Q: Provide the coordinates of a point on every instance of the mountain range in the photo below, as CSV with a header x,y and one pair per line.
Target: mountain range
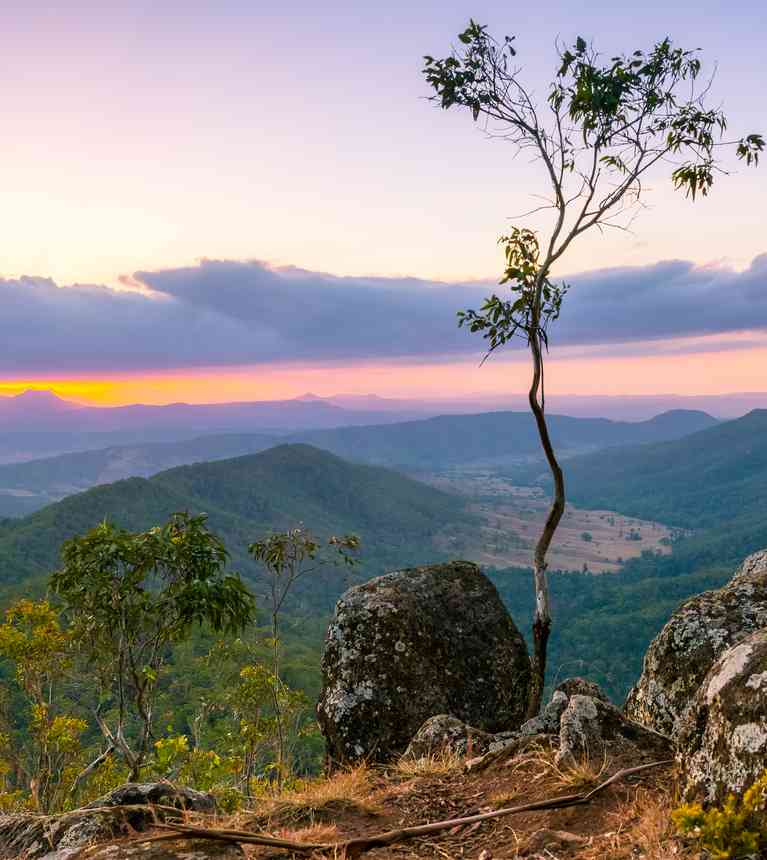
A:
x,y
413,446
38,423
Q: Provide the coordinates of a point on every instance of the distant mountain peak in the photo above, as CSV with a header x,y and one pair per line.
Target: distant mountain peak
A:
x,y
38,395
35,401
309,396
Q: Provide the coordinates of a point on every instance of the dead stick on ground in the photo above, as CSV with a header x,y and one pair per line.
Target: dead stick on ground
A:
x,y
354,848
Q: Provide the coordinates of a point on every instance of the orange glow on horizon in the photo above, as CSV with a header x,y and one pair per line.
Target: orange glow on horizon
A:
x,y
704,371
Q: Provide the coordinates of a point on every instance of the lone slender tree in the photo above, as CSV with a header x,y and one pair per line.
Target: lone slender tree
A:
x,y
605,127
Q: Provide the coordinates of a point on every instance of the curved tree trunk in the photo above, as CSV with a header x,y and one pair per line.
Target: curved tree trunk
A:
x,y
542,618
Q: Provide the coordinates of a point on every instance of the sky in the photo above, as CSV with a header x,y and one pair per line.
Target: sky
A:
x,y
243,200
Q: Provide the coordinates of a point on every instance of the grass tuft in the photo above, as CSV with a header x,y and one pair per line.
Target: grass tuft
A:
x,y
436,764
322,801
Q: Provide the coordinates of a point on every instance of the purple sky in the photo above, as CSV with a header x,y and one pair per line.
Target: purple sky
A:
x,y
141,137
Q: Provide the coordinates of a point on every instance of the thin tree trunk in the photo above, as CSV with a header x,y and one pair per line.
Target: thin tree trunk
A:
x,y
542,618
276,685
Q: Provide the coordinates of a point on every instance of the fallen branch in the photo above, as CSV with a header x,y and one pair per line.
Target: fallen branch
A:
x,y
354,848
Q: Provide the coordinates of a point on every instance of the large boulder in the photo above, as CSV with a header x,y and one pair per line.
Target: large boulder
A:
x,y
697,634
722,740
413,644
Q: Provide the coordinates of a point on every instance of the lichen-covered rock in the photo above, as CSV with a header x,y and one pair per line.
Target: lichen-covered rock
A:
x,y
582,687
547,722
181,849
546,726
156,794
126,810
446,734
413,644
722,740
697,634
590,727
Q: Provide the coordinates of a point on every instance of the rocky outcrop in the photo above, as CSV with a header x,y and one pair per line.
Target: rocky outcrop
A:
x,y
181,849
697,634
722,740
446,734
591,728
125,811
579,722
414,644
156,794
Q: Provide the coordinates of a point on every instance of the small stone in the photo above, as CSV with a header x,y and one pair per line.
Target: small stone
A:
x,y
444,733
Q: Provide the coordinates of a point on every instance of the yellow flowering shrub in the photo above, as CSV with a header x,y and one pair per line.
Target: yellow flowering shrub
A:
x,y
736,829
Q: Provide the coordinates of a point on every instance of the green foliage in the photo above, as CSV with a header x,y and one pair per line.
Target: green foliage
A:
x,y
736,829
632,112
536,300
626,609
45,760
132,595
203,770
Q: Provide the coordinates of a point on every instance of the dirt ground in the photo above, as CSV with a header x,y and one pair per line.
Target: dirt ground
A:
x,y
629,820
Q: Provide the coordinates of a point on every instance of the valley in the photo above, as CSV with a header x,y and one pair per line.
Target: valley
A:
x,y
596,541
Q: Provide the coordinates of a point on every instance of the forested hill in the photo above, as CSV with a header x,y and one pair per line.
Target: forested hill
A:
x,y
694,482
713,482
28,486
395,516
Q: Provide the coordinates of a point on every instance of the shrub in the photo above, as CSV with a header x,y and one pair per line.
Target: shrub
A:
x,y
737,829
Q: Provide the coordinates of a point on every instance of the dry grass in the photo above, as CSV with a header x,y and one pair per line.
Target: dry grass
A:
x,y
648,820
322,801
576,775
640,828
314,834
438,764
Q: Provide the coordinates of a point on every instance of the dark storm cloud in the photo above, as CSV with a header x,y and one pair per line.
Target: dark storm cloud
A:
x,y
227,313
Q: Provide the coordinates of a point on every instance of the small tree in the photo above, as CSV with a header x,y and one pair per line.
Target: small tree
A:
x,y
603,129
130,597
33,639
288,557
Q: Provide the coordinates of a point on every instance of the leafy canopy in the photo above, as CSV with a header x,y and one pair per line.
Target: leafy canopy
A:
x,y
151,586
603,127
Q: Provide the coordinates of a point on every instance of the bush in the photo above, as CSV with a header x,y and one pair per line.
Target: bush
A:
x,y
737,829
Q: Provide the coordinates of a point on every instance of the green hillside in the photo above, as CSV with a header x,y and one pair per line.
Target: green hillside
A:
x,y
395,516
29,486
696,482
